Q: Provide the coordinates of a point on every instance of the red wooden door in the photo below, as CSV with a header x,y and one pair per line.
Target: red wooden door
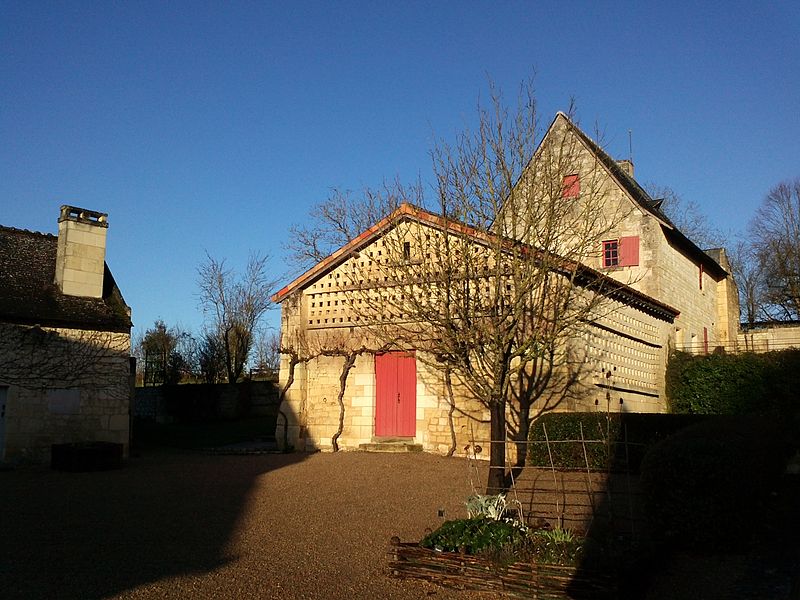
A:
x,y
395,394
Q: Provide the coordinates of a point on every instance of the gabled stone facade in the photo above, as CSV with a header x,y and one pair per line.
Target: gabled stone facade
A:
x,y
668,294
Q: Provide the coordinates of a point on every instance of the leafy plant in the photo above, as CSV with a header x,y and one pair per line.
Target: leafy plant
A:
x,y
556,546
489,506
477,535
556,536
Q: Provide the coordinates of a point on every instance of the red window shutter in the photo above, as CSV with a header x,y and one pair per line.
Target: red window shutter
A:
x,y
629,251
571,186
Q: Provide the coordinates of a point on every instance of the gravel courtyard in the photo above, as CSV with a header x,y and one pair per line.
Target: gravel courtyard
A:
x,y
183,525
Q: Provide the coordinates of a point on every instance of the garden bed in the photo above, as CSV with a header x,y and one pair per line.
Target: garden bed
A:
x,y
481,573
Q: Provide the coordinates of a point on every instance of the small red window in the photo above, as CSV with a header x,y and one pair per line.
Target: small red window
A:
x,y
611,253
571,186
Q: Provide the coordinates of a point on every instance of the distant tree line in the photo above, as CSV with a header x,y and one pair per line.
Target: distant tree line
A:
x,y
233,342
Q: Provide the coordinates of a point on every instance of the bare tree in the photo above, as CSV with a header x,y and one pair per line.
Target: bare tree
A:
x,y
341,217
687,216
211,358
492,290
776,239
234,307
750,282
267,352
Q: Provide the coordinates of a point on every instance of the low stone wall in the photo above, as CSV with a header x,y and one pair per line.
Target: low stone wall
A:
x,y
192,402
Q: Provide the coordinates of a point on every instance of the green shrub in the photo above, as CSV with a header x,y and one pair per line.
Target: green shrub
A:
x,y
505,541
476,535
640,430
734,384
702,486
560,428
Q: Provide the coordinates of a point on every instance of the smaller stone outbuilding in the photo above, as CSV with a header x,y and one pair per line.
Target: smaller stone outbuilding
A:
x,y
64,340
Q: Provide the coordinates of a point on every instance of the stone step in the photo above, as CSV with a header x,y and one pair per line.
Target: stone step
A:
x,y
390,447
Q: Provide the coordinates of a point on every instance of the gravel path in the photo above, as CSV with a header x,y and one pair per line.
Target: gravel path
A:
x,y
173,525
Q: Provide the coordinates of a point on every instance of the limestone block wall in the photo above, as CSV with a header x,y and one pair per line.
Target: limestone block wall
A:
x,y
634,222
81,252
765,338
677,283
664,272
290,425
312,410
626,343
63,385
627,354
670,276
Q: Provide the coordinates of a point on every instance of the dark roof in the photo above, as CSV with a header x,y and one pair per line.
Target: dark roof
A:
x,y
29,294
648,204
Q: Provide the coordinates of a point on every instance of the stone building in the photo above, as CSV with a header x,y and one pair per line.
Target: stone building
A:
x,y
64,339
659,292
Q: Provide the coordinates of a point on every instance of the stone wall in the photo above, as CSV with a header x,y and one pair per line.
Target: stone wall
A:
x,y
168,403
769,336
63,385
313,411
622,369
665,272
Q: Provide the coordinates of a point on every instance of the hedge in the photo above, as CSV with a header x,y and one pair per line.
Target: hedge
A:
x,y
642,430
734,384
703,486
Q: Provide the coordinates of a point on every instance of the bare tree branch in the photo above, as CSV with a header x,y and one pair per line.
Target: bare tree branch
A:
x,y
776,241
234,307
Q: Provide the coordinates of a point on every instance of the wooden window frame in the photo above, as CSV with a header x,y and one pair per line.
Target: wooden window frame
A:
x,y
610,253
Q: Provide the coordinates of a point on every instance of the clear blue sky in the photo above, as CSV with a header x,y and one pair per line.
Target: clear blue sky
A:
x,y
216,125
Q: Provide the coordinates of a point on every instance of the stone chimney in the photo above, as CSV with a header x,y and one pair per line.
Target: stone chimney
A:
x,y
81,255
627,166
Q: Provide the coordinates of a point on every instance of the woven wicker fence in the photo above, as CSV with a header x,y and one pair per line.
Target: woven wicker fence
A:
x,y
514,580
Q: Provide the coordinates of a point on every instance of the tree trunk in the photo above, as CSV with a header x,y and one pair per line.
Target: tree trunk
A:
x,y
521,443
293,360
497,447
349,361
451,399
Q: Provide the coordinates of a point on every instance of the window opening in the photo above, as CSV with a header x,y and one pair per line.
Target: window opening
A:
x,y
571,186
611,253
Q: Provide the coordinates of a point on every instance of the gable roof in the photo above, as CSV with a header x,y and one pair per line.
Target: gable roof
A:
x,y
29,294
586,275
641,198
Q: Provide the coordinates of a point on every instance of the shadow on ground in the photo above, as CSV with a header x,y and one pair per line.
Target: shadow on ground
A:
x,y
90,535
721,519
